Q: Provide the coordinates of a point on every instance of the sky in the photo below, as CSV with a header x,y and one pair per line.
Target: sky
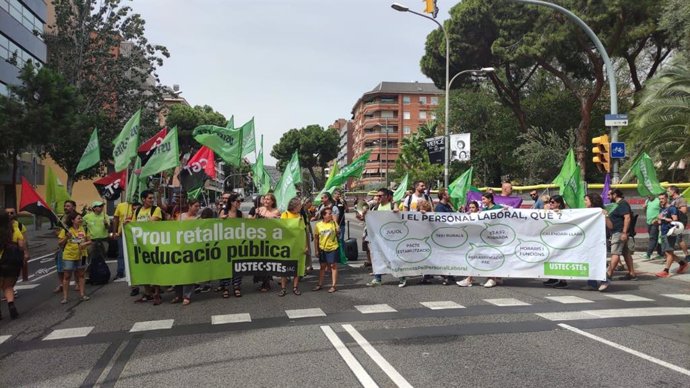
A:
x,y
287,63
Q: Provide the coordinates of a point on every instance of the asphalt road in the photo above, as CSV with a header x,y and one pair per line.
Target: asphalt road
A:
x,y
518,334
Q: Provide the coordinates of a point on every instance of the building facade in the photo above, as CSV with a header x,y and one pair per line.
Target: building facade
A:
x,y
382,117
21,28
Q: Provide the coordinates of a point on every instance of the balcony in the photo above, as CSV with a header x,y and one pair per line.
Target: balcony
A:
x,y
373,121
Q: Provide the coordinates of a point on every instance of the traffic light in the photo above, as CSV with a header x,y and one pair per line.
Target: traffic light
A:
x,y
431,7
601,155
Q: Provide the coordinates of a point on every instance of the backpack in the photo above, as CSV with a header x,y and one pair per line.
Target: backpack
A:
x,y
153,210
631,227
408,203
99,272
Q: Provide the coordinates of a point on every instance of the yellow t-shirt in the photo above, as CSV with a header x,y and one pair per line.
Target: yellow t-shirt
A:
x,y
288,214
328,235
145,214
16,235
72,250
123,211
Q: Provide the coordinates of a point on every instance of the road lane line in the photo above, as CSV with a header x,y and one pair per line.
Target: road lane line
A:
x,y
347,356
41,257
615,313
20,287
385,366
506,302
568,299
628,297
75,332
305,313
4,338
230,318
152,325
627,350
375,309
442,305
50,270
678,296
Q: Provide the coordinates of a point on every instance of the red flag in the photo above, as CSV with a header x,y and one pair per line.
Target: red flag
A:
x,y
110,187
146,149
34,204
204,159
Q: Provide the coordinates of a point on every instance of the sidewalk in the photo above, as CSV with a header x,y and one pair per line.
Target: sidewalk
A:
x,y
650,267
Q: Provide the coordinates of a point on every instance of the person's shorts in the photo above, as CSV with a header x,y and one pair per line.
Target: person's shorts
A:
x,y
619,247
328,257
73,265
685,236
668,243
58,261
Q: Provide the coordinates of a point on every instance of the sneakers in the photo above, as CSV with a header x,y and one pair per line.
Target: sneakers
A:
x,y
627,276
603,286
550,282
134,291
490,283
466,282
561,284
682,268
662,274
373,283
204,289
402,283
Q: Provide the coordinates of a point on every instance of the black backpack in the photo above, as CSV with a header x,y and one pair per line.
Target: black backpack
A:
x,y
99,272
631,227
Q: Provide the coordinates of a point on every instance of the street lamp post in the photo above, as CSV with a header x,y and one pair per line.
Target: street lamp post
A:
x,y
610,74
446,139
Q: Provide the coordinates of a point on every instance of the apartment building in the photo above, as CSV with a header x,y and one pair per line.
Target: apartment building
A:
x,y
382,117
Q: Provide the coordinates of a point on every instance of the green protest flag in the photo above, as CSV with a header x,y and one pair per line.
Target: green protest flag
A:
x,y
352,170
328,187
686,194
399,193
194,194
459,188
226,144
166,156
126,143
248,140
231,123
647,182
285,189
210,249
261,178
91,155
135,185
56,193
569,182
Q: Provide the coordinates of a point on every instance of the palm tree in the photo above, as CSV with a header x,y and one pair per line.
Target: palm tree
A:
x,y
661,121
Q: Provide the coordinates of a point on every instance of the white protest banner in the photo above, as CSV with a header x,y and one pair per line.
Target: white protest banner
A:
x,y
520,243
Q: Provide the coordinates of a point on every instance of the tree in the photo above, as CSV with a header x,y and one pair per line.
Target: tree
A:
x,y
316,147
99,47
414,158
540,153
35,115
675,20
186,118
520,40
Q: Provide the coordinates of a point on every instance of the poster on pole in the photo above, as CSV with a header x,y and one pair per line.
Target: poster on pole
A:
x,y
460,147
520,243
435,148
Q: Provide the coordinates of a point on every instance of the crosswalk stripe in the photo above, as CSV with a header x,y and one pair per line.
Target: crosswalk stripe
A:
x,y
152,325
230,318
506,302
375,309
305,313
75,332
685,297
20,287
4,338
568,299
442,305
628,297
615,313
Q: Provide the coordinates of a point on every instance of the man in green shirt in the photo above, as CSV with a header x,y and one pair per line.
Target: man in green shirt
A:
x,y
652,209
97,224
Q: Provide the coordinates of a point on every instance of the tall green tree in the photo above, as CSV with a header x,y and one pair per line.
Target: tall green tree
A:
x,y
316,147
100,48
414,158
186,118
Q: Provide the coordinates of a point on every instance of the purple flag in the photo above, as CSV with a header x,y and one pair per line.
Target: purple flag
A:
x,y
605,191
511,201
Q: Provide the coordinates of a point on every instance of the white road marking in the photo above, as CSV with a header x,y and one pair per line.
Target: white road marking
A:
x,y
568,299
20,287
4,338
505,302
75,332
375,309
627,350
41,257
356,265
678,296
152,325
50,270
442,305
111,363
616,313
305,313
119,280
385,366
629,298
347,356
230,318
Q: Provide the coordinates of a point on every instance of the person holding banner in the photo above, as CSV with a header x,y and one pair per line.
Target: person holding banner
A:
x,y
74,241
184,293
293,211
488,204
305,213
556,203
326,235
384,197
473,207
230,208
149,212
268,210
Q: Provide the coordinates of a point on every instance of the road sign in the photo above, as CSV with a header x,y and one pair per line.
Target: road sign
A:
x,y
619,120
617,150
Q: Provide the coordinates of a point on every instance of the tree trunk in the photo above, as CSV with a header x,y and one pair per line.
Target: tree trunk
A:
x,y
313,177
69,184
582,136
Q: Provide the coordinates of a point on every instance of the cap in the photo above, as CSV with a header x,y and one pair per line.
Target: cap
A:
x,y
96,203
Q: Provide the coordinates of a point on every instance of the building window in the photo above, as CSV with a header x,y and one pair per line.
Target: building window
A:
x,y
434,100
422,115
406,115
4,90
422,100
433,115
406,130
406,100
387,114
23,15
11,52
